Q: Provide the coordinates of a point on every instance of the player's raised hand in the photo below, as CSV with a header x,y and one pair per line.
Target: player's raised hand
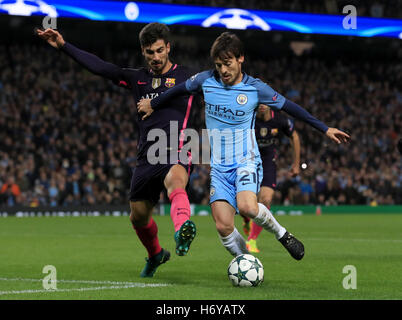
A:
x,y
53,37
337,135
144,106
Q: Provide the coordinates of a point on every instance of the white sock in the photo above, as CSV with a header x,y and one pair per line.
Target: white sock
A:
x,y
234,243
266,220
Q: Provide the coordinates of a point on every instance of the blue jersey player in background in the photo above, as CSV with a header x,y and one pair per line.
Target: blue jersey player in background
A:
x,y
231,101
149,179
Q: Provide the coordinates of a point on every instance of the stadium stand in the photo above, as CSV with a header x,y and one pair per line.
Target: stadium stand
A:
x,y
67,136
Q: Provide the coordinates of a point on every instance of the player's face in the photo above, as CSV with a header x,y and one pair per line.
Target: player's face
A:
x,y
263,111
230,69
157,56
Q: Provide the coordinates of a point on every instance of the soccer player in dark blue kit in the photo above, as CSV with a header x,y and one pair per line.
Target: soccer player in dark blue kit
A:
x,y
269,126
149,179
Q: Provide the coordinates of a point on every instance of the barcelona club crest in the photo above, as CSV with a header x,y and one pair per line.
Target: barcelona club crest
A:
x,y
170,82
156,82
263,132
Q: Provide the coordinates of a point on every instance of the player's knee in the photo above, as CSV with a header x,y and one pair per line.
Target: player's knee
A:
x,y
248,209
224,229
175,184
266,201
138,220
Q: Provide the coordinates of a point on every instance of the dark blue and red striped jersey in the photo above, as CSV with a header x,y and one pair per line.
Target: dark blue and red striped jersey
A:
x,y
143,83
171,118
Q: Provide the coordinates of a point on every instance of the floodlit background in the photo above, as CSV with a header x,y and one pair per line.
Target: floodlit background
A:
x,y
69,138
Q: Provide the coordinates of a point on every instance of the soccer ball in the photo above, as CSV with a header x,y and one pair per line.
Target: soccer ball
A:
x,y
246,271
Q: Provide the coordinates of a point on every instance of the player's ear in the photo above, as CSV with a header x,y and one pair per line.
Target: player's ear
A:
x,y
143,51
168,47
240,59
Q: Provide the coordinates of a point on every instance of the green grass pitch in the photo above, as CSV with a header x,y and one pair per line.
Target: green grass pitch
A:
x,y
101,258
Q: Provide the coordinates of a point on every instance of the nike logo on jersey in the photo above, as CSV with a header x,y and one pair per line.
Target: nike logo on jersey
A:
x,y
141,83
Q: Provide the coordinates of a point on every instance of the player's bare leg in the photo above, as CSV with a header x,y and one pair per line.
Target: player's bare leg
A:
x,y
223,214
147,231
180,212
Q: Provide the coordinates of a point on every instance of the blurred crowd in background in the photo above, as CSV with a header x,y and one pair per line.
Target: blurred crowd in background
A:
x,y
68,137
368,8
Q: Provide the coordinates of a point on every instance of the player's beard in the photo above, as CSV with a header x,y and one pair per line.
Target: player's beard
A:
x,y
157,68
234,76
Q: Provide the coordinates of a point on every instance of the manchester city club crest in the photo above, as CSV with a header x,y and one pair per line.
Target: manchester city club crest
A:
x,y
212,192
170,82
263,132
241,99
156,82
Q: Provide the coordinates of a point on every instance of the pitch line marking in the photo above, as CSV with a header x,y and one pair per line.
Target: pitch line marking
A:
x,y
85,281
115,285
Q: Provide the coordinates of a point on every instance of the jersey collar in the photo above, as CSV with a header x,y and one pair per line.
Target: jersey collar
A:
x,y
243,80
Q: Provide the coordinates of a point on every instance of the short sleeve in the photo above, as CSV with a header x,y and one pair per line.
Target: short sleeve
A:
x,y
268,96
194,83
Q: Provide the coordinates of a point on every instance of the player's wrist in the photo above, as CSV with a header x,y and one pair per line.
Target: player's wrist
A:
x,y
153,104
61,44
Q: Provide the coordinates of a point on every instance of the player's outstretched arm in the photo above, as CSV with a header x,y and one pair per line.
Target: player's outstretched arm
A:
x,y
147,106
278,102
298,112
93,63
190,86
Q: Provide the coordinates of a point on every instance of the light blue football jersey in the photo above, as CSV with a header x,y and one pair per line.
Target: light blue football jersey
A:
x,y
230,113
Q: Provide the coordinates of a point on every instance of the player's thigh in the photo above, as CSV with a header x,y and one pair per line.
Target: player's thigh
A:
x,y
248,182
247,203
265,196
269,174
223,214
147,183
223,187
141,212
176,178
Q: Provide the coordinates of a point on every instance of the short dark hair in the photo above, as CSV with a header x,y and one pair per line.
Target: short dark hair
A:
x,y
226,45
152,32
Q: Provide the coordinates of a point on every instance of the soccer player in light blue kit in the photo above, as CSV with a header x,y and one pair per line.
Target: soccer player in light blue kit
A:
x,y
231,102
